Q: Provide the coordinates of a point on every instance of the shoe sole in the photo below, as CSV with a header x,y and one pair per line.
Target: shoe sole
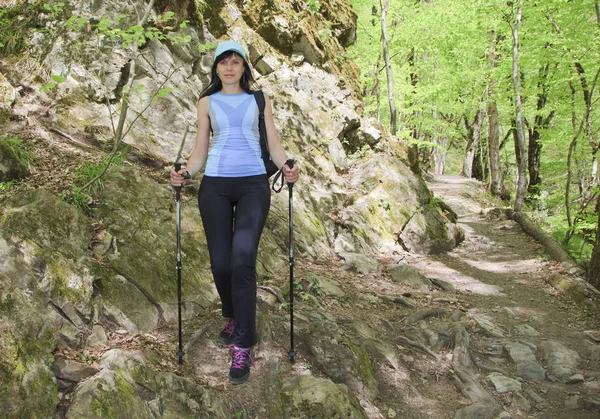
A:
x,y
240,380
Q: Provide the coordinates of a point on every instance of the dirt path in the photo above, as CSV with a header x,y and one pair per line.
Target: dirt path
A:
x,y
524,327
499,341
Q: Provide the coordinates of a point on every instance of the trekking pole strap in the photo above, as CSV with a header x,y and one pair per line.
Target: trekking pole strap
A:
x,y
280,178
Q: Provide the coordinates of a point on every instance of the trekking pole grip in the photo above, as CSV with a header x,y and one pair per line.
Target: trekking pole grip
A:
x,y
290,164
177,188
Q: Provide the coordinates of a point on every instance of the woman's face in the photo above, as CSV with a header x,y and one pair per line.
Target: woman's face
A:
x,y
231,69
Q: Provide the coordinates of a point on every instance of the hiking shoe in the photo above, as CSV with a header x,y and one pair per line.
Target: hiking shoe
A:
x,y
226,336
240,365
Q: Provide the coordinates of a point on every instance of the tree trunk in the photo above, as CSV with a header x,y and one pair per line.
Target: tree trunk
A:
x,y
594,270
439,155
496,180
593,276
478,171
520,143
377,90
572,146
388,68
414,158
535,132
473,135
535,154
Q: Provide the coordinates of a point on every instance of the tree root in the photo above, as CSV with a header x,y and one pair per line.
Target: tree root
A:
x,y
466,381
481,366
276,293
423,314
397,300
405,341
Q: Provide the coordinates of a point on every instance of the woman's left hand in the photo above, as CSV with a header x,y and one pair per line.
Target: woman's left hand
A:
x,y
291,175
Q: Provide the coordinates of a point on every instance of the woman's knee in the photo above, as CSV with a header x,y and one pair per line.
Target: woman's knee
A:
x,y
243,274
221,272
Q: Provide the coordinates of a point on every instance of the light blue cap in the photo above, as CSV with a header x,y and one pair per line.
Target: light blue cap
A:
x,y
229,46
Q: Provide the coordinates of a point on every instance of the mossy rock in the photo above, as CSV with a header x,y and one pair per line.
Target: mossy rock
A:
x,y
43,218
12,165
127,387
52,259
27,384
140,216
312,397
337,355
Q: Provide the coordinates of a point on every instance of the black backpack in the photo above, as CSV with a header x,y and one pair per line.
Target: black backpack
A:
x,y
264,145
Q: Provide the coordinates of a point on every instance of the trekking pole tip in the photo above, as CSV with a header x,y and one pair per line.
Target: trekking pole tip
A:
x,y
292,354
180,355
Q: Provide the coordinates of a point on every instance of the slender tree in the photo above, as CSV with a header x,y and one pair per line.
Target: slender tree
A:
x,y
593,276
534,131
521,145
472,148
388,67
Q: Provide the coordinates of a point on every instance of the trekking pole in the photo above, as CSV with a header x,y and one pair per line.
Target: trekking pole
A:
x,y
180,352
292,352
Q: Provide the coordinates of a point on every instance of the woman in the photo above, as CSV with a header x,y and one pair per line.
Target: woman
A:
x,y
234,195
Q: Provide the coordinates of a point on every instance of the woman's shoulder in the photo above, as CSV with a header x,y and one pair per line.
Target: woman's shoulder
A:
x,y
204,102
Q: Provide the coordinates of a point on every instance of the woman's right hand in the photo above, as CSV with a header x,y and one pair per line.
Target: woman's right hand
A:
x,y
180,178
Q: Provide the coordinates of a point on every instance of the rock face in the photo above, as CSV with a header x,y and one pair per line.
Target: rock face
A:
x,y
68,277
11,166
126,387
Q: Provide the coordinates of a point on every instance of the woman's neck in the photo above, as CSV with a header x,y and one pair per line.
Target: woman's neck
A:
x,y
231,89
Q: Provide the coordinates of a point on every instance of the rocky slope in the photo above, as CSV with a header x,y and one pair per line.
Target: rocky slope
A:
x,y
74,279
383,327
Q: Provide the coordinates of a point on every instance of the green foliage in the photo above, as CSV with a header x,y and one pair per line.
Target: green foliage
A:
x,y
87,171
23,154
314,5
443,73
8,185
51,85
308,287
17,23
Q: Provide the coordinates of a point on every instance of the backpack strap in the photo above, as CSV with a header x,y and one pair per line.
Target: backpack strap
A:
x,y
259,96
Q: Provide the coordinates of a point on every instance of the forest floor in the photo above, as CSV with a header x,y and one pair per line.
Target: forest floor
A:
x,y
535,350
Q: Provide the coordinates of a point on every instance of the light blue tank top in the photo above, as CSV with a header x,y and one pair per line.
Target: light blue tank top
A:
x,y
234,146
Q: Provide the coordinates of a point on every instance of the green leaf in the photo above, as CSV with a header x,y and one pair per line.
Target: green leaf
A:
x,y
57,78
104,24
164,92
47,87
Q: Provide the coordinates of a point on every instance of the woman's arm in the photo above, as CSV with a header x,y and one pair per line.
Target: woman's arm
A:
x,y
276,150
198,157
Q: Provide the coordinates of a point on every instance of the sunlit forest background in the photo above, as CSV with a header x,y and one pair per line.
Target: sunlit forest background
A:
x,y
441,76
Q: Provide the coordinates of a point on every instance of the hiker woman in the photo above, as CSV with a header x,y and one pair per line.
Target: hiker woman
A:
x,y
234,195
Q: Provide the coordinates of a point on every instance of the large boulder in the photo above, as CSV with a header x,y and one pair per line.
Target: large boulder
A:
x,y
127,387
27,339
12,165
339,355
392,210
139,213
307,396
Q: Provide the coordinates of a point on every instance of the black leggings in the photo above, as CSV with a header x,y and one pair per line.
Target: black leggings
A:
x,y
234,211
